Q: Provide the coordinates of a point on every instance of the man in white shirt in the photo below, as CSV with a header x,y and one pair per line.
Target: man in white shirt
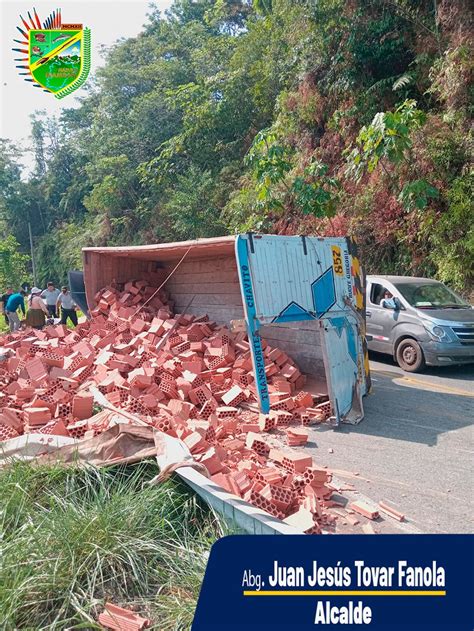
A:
x,y
51,294
68,306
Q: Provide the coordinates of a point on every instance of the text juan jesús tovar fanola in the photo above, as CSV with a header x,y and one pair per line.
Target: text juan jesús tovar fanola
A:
x,y
400,576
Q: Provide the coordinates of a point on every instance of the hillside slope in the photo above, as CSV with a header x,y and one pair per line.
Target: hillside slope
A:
x,y
287,116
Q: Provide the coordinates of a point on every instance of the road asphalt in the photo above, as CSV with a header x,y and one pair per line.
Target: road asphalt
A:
x,y
414,449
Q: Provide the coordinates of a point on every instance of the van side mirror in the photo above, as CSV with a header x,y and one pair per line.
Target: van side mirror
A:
x,y
397,303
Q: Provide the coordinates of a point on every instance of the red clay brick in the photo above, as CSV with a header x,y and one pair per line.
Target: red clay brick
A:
x,y
7,432
221,479
211,461
364,509
37,416
36,370
296,436
296,462
234,396
302,519
196,442
120,619
386,508
192,388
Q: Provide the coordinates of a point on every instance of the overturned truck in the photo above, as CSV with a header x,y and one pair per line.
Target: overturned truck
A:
x,y
302,294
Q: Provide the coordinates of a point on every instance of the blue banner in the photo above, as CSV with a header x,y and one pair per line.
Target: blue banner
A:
x,y
296,583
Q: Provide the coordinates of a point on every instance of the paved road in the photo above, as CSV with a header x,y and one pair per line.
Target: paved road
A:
x,y
415,446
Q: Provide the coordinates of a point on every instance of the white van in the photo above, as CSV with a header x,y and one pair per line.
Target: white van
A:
x,y
419,322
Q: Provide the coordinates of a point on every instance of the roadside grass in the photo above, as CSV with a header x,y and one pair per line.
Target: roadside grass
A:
x,y
3,325
73,538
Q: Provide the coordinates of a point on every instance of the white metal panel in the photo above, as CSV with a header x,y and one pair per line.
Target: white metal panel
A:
x,y
343,360
286,279
284,270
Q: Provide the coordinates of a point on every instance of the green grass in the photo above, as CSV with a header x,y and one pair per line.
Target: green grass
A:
x,y
73,538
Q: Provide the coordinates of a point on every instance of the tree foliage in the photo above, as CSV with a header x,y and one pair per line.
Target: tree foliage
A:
x,y
280,187
326,117
387,137
13,264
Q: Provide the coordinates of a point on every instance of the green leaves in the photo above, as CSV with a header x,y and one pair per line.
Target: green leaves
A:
x,y
417,194
316,192
279,184
13,264
402,82
166,143
387,137
312,198
269,160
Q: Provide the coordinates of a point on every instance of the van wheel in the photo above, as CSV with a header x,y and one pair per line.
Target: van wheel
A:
x,y
409,356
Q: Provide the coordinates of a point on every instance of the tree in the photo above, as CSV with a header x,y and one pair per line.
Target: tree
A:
x,y
13,264
278,116
388,139
280,186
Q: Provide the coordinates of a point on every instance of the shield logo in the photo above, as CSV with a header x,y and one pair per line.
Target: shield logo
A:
x,y
58,55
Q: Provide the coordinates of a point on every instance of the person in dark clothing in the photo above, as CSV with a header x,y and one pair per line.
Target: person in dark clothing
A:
x,y
4,299
15,302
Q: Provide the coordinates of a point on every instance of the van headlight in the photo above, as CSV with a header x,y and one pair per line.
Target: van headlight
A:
x,y
438,333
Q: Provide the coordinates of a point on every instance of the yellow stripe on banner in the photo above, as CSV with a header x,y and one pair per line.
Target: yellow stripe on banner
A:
x,y
360,592
56,50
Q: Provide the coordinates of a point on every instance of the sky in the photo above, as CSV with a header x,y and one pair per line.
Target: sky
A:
x,y
109,20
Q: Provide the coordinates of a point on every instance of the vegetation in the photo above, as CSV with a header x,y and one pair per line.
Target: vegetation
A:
x,y
285,116
13,264
75,538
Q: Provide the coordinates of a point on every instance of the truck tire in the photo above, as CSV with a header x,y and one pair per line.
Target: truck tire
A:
x,y
409,356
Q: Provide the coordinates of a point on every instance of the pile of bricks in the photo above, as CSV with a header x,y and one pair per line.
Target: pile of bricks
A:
x,y
197,386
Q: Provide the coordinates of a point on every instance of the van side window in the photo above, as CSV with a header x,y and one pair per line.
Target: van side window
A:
x,y
376,293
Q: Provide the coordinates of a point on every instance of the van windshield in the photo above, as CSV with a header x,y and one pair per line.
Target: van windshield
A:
x,y
431,296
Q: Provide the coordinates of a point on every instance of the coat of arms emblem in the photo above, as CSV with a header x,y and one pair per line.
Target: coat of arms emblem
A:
x,y
57,55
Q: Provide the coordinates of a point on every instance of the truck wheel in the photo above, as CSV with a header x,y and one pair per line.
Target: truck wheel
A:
x,y
409,356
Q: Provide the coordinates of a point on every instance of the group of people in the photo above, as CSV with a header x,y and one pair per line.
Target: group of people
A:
x,y
43,305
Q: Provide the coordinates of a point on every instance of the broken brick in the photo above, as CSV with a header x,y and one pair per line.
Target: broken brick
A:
x,y
120,619
364,509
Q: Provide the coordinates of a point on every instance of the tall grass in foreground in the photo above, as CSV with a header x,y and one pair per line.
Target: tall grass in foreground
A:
x,y
73,538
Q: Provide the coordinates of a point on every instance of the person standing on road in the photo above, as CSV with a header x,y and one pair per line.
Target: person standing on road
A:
x,y
68,306
15,302
37,310
4,299
51,295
